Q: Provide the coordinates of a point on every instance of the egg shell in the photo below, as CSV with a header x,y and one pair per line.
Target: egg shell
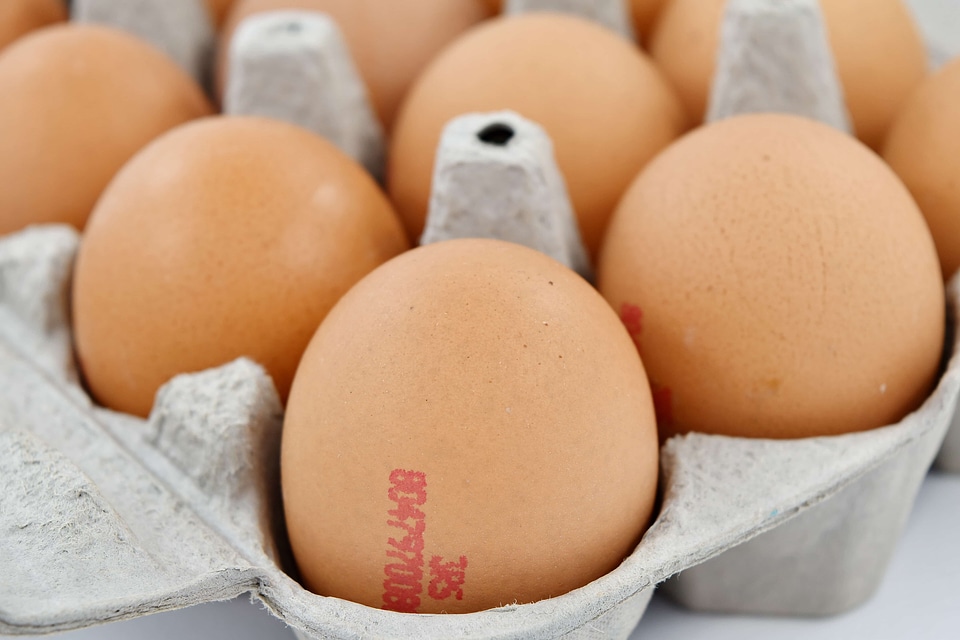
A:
x,y
879,53
924,149
604,104
228,237
779,282
77,102
19,17
391,42
484,400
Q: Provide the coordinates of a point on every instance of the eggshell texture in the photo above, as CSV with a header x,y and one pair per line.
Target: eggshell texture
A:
x,y
924,149
391,42
606,107
19,17
879,53
77,102
469,427
228,237
779,282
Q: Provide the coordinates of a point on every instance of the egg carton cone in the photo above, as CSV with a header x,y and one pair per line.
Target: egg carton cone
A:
x,y
183,29
613,14
496,176
295,66
106,516
949,458
774,56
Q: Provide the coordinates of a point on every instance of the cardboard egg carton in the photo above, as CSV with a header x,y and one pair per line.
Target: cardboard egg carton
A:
x,y
107,516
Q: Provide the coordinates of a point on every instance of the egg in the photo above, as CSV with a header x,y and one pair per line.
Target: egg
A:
x,y
227,237
879,54
468,428
19,17
603,103
924,149
77,102
391,42
779,282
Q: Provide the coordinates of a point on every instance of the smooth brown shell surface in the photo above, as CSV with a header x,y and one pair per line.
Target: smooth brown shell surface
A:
x,y
879,53
486,401
778,280
604,104
924,149
77,102
228,237
19,17
391,42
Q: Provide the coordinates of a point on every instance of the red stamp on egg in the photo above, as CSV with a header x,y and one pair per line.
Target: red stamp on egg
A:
x,y
404,571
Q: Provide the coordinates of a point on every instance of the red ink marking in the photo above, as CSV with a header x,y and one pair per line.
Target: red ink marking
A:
x,y
632,317
447,578
662,404
403,584
404,575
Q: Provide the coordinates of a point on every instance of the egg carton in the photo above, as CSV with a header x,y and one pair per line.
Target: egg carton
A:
x,y
106,516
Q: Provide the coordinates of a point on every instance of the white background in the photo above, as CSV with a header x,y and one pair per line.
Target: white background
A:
x,y
920,598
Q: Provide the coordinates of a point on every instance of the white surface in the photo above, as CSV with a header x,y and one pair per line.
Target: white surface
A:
x,y
918,599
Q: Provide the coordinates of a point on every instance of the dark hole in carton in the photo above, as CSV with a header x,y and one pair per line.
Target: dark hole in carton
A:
x,y
497,134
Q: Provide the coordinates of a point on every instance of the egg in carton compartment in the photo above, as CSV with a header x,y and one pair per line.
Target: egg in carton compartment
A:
x,y
940,22
111,517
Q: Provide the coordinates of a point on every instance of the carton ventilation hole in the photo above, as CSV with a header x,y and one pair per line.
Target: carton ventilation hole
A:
x,y
497,134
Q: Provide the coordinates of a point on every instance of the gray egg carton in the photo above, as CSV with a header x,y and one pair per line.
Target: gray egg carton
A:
x,y
106,517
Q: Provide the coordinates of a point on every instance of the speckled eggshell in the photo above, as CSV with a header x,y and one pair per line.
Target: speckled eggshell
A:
x,y
468,428
779,282
924,149
879,52
390,41
606,107
77,102
19,17
227,237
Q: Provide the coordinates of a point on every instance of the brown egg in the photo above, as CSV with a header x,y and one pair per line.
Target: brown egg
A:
x,y
391,42
19,17
77,102
779,282
604,104
228,237
879,53
924,149
468,428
